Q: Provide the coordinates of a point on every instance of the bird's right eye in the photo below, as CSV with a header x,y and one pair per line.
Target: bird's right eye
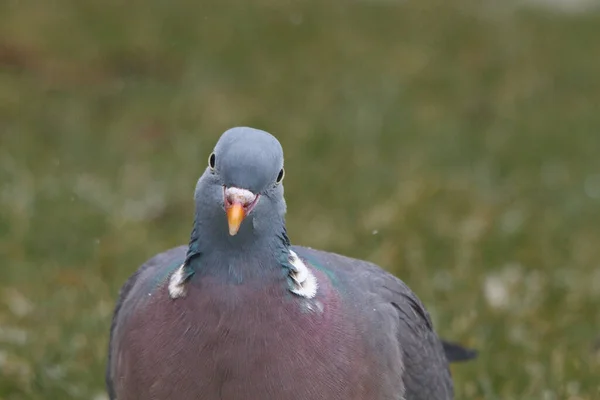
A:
x,y
212,160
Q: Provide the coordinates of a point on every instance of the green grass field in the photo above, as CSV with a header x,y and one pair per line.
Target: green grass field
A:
x,y
455,143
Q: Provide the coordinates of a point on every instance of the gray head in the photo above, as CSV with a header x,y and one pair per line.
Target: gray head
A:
x,y
240,193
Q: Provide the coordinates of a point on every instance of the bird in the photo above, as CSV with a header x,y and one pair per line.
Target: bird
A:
x,y
241,313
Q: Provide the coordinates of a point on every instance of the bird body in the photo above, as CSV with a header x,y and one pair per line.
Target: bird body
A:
x,y
241,314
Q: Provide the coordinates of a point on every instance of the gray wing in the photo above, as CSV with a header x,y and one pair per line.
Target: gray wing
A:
x,y
149,269
426,372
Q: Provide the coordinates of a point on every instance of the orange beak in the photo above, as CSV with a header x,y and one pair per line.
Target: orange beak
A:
x,y
238,204
235,216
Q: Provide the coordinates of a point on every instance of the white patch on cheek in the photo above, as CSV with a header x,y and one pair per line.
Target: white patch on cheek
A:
x,y
176,283
305,282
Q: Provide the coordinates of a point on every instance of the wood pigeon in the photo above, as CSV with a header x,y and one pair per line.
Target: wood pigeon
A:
x,y
242,314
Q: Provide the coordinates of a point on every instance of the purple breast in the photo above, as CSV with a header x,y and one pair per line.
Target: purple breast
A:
x,y
250,342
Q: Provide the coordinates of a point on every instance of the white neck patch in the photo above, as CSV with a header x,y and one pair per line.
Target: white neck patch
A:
x,y
177,283
305,282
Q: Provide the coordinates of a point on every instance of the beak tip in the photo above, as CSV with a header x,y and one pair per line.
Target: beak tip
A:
x,y
235,216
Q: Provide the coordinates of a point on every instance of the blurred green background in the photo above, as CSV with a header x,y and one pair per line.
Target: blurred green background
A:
x,y
455,143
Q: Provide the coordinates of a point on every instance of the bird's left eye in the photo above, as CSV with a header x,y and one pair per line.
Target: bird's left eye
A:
x,y
280,176
212,160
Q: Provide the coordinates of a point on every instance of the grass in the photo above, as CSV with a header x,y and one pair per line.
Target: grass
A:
x,y
454,143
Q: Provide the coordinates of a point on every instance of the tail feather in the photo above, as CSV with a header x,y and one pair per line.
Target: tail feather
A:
x,y
457,353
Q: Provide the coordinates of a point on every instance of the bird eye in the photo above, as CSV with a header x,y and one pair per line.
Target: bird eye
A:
x,y
280,176
212,160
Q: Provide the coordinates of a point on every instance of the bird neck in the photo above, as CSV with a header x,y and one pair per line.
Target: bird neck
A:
x,y
262,249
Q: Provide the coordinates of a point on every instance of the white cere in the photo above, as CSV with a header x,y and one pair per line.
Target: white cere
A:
x,y
239,195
